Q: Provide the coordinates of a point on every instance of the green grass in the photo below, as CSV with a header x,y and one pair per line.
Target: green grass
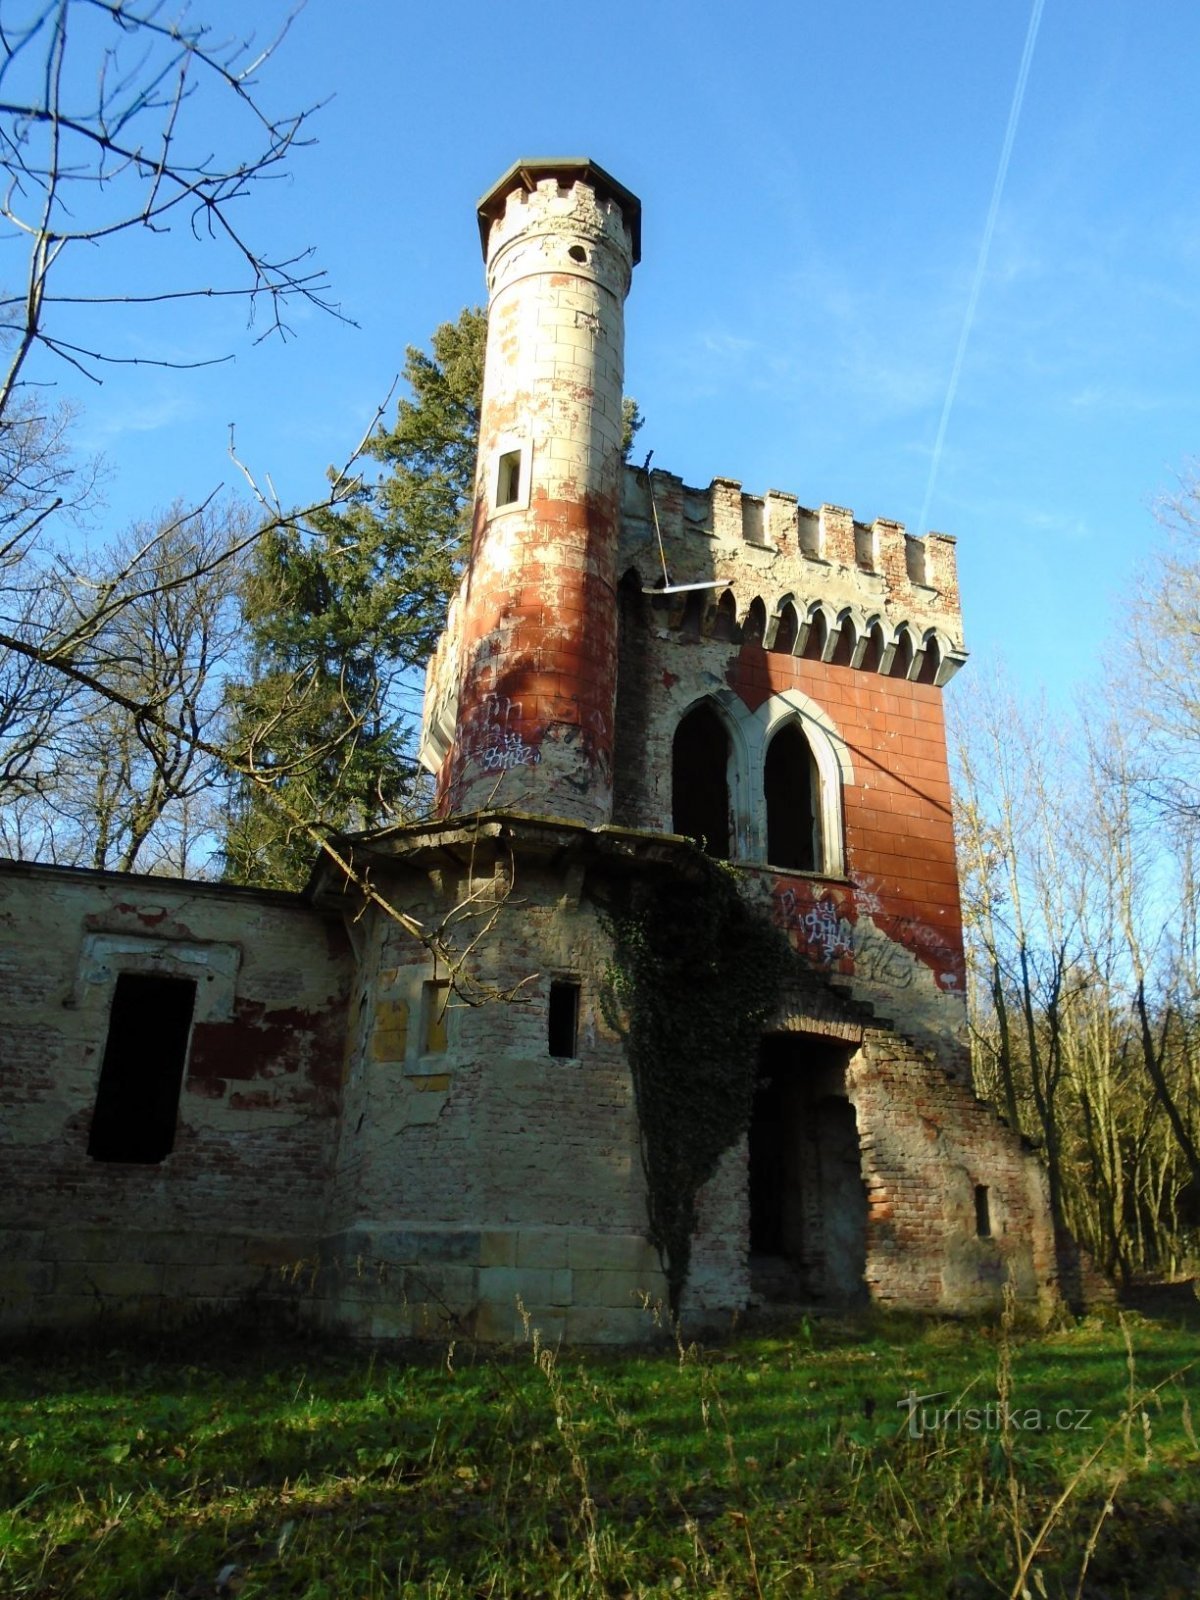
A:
x,y
778,1465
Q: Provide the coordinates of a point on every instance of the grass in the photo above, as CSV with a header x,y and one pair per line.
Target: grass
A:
x,y
770,1465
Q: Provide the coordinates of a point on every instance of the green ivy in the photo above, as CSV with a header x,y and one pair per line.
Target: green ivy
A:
x,y
696,972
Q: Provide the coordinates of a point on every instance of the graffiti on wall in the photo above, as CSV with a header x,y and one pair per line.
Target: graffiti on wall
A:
x,y
887,956
497,742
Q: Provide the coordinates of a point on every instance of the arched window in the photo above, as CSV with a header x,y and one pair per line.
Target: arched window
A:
x,y
932,660
903,659
725,619
873,654
786,631
847,641
791,785
755,624
700,782
818,634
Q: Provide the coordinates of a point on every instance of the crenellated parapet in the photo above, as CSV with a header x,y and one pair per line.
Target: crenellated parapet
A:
x,y
813,583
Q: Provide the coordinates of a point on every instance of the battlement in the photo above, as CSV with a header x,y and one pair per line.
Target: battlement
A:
x,y
811,581
566,215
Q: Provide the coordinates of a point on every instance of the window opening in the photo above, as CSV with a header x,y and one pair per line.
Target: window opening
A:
x,y
755,624
818,635
843,653
563,1018
983,1216
873,654
791,788
435,997
725,621
700,782
903,659
508,482
785,633
137,1099
930,663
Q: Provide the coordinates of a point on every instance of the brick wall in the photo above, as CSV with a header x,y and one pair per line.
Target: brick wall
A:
x,y
243,1191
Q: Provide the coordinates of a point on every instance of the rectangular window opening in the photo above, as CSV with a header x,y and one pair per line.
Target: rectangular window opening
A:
x,y
435,997
983,1218
508,481
563,1019
137,1099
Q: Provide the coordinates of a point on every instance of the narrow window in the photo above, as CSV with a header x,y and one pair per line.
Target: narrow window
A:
x,y
725,619
983,1218
785,633
873,654
137,1101
818,637
930,663
699,782
791,790
508,480
435,997
563,1020
903,659
843,652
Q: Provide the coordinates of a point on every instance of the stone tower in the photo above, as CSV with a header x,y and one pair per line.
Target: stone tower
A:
x,y
527,721
418,1080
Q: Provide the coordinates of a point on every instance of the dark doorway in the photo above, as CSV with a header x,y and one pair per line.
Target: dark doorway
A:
x,y
808,1204
138,1097
699,781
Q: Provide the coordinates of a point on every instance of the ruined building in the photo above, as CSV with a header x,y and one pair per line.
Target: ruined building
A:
x,y
213,1092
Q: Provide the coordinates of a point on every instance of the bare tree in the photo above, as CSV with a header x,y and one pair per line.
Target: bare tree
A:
x,y
120,121
124,127
119,117
1074,918
90,781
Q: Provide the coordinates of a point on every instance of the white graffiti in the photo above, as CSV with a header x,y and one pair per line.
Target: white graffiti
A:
x,y
866,896
820,924
499,745
823,927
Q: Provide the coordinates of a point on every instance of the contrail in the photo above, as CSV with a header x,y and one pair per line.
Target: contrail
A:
x,y
1014,116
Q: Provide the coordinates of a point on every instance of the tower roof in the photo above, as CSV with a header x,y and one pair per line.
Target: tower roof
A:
x,y
526,173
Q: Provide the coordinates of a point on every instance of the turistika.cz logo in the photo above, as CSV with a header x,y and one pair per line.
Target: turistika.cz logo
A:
x,y
926,1416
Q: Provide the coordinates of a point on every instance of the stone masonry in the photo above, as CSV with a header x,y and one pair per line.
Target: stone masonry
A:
x,y
401,1146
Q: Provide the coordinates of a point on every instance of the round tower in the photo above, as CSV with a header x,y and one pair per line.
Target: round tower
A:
x,y
537,685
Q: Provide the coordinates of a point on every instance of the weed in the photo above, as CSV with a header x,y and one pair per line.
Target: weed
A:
x,y
772,1466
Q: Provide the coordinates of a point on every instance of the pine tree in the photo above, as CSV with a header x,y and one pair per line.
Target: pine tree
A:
x,y
340,615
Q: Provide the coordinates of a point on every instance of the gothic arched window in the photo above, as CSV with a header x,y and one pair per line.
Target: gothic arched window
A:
x,y
700,781
792,786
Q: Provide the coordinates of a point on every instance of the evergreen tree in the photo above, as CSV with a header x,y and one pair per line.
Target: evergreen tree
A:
x,y
342,612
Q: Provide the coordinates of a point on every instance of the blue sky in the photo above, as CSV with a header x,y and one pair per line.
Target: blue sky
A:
x,y
815,181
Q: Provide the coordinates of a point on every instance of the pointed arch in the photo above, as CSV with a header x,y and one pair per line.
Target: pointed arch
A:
x,y
904,654
791,789
847,639
787,629
830,772
871,658
817,637
755,625
724,624
700,761
931,658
